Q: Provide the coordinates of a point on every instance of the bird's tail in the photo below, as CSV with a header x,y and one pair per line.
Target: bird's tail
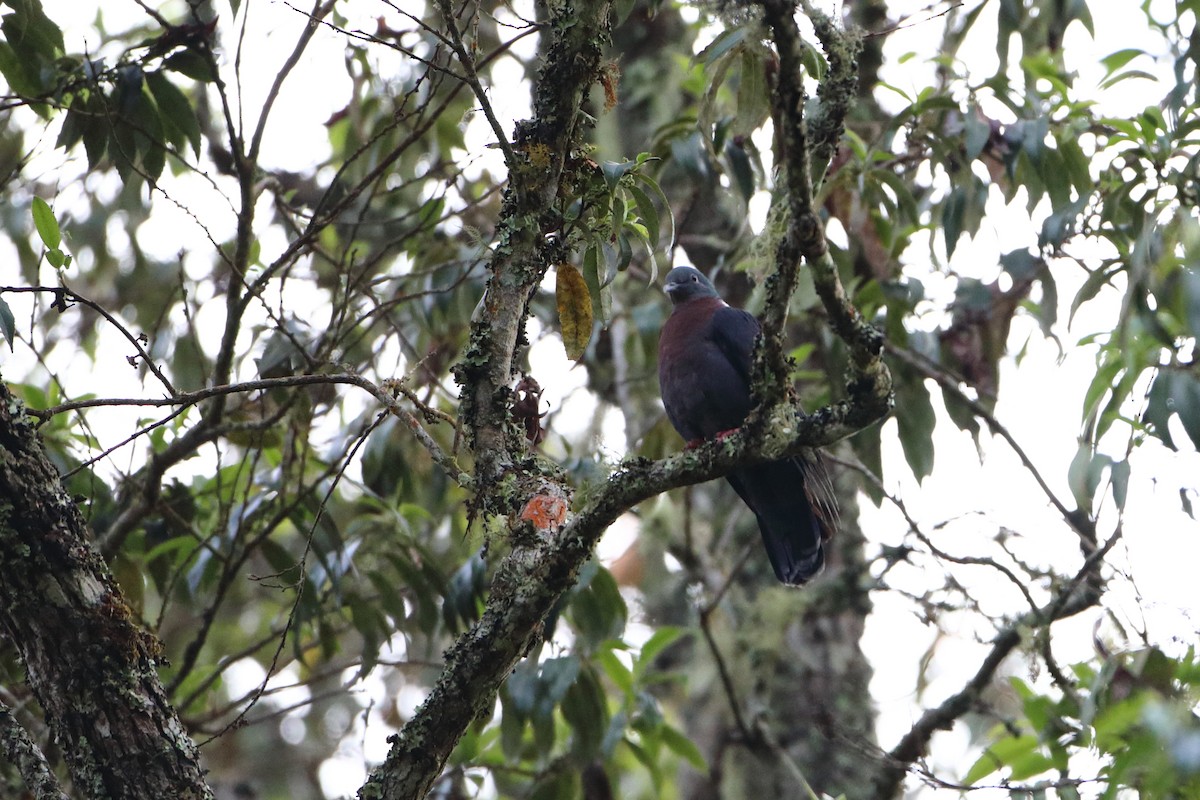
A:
x,y
796,510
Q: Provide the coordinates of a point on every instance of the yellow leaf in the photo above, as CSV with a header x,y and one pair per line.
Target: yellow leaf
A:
x,y
574,310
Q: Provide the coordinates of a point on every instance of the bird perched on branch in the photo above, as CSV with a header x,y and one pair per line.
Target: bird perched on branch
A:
x,y
704,360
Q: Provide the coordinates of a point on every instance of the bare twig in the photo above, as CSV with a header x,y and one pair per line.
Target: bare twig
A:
x,y
472,77
63,295
1066,603
950,385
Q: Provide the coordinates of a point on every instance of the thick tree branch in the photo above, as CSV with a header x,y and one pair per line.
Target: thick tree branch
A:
x,y
547,548
803,143
524,249
526,584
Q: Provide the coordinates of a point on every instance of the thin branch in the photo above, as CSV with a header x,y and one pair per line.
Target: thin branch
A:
x,y
978,409
472,77
735,705
802,143
319,11
913,745
915,528
63,295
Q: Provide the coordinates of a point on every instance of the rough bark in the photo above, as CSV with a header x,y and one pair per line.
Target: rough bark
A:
x,y
90,667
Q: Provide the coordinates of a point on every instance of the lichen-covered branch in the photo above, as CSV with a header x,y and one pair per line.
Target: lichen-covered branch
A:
x,y
804,147
507,482
524,249
547,545
91,668
21,751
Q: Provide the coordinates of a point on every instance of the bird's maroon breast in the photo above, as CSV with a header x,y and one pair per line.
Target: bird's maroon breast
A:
x,y
702,391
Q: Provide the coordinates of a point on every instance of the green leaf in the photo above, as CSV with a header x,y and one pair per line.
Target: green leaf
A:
x,y
31,44
725,41
512,722
961,414
58,259
554,679
1061,224
646,212
599,290
72,128
915,425
615,669
96,129
660,640
1096,280
813,61
1114,61
1174,393
175,110
1080,476
667,238
191,64
29,27
1104,379
1139,74
624,251
586,710
1029,765
683,747
613,171
977,131
598,611
1003,753
46,224
753,96
15,72
953,212
741,168
8,323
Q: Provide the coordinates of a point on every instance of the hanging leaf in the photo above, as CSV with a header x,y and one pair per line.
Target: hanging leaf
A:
x,y
1174,393
754,96
647,212
8,323
192,64
46,224
613,171
179,120
599,289
916,426
574,310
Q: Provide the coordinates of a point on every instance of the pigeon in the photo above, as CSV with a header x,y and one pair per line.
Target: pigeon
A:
x,y
704,361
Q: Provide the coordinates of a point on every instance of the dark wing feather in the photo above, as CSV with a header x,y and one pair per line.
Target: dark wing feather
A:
x,y
733,332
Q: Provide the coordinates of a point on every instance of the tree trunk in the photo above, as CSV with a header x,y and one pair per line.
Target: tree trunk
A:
x,y
90,667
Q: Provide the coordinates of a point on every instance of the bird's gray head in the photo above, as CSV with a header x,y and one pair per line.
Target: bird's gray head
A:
x,y
687,283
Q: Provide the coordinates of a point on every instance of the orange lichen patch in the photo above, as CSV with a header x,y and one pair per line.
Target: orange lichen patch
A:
x,y
546,512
